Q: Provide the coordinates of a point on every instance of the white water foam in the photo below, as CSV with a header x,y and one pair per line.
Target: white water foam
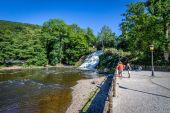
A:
x,y
91,61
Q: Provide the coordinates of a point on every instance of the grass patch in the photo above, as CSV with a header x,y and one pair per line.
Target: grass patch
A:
x,y
90,99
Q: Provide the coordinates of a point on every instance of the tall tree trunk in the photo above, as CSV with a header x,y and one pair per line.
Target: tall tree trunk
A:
x,y
47,52
166,50
102,44
61,54
60,59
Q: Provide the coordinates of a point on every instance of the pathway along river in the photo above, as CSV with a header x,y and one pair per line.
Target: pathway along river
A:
x,y
46,90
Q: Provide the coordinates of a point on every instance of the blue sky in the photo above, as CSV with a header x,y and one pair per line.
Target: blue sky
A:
x,y
85,13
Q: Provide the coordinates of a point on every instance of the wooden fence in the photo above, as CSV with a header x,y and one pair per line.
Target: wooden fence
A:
x,y
112,93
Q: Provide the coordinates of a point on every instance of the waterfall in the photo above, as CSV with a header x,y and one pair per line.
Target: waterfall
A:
x,y
91,61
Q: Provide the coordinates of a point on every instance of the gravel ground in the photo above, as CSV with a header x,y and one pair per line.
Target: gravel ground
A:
x,y
142,93
11,68
81,93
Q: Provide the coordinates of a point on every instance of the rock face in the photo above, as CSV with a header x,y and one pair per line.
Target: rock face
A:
x,y
91,61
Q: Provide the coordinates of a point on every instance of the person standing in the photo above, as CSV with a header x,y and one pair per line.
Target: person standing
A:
x,y
120,67
129,69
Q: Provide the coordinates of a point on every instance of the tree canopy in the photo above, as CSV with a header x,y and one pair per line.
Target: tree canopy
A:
x,y
143,25
106,38
54,42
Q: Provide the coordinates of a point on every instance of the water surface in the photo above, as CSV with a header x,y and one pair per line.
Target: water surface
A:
x,y
46,90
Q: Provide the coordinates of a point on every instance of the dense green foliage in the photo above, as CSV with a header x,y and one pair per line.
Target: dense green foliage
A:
x,y
76,45
54,33
64,43
144,24
110,58
106,38
21,42
54,42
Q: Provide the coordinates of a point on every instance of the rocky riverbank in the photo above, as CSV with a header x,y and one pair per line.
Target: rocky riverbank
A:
x,y
32,67
81,93
11,68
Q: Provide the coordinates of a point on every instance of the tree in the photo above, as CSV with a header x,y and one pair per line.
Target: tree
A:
x,y
21,42
122,43
54,42
90,37
106,38
161,9
63,43
75,44
55,31
140,29
6,45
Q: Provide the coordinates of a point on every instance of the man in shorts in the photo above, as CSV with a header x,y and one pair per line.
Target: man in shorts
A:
x,y
120,67
129,69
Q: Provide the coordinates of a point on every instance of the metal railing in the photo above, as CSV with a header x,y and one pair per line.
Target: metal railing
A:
x,y
148,68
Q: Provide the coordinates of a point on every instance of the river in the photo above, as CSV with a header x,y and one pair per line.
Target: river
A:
x,y
46,90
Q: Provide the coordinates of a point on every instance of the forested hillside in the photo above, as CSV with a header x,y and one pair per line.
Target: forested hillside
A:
x,y
21,42
54,42
143,24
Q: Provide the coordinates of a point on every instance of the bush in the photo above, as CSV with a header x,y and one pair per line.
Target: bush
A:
x,y
110,58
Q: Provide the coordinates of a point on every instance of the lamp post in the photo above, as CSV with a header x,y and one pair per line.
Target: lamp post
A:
x,y
151,49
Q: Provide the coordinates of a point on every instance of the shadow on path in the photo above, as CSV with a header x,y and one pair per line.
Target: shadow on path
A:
x,y
144,92
98,103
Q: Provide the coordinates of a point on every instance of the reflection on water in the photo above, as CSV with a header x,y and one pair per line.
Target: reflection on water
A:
x,y
45,90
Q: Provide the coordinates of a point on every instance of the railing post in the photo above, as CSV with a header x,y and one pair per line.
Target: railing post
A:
x,y
110,102
114,86
112,93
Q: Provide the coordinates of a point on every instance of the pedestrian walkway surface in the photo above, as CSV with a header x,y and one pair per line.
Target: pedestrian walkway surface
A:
x,y
143,93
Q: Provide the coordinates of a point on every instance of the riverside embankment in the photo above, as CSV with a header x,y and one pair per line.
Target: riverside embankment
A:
x,y
143,93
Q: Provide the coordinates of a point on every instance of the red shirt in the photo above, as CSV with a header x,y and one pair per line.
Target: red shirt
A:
x,y
120,67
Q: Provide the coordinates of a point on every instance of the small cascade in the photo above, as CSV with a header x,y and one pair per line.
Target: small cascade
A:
x,y
91,61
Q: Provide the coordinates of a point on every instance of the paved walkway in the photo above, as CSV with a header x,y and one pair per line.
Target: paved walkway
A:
x,y
143,94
